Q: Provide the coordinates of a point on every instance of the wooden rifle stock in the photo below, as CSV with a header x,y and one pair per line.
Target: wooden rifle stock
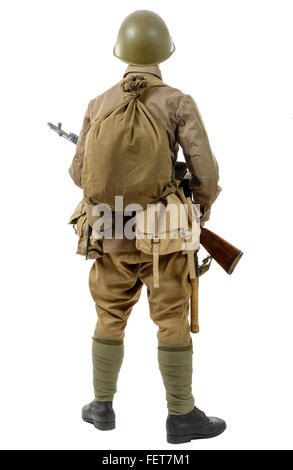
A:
x,y
225,254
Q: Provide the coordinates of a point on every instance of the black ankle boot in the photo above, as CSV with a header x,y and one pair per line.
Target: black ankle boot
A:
x,y
193,425
100,414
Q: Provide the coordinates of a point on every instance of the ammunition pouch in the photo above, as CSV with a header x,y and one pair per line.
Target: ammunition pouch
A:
x,y
92,248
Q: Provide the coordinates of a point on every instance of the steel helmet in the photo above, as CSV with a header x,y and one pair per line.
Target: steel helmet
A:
x,y
143,39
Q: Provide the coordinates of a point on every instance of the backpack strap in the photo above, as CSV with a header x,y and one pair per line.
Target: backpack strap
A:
x,y
153,84
156,254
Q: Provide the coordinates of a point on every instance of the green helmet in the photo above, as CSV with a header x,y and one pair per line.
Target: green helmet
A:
x,y
143,39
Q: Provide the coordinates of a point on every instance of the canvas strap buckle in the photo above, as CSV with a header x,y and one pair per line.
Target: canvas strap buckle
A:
x,y
186,233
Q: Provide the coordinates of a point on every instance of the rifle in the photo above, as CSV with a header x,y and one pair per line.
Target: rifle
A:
x,y
72,137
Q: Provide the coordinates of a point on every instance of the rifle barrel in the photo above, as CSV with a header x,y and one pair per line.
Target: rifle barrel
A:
x,y
72,137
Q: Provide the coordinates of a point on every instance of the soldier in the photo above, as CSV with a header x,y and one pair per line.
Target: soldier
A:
x,y
116,277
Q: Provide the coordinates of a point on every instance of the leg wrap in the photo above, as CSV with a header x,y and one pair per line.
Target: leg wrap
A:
x,y
175,362
107,359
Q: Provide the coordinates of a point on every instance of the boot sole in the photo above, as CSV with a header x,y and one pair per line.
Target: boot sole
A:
x,y
187,438
100,425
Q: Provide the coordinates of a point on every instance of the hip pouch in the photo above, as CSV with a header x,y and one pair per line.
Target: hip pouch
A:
x,y
88,246
171,225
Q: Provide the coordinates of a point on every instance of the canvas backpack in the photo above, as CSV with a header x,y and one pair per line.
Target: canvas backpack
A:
x,y
127,151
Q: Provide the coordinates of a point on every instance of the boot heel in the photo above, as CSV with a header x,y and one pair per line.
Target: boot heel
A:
x,y
104,426
177,439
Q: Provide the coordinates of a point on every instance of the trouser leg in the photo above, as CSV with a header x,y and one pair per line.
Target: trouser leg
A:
x,y
115,288
169,308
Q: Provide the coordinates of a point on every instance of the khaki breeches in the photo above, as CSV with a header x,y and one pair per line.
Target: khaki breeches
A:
x,y
116,280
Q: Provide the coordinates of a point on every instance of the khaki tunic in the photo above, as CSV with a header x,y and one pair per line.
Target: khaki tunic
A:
x,y
183,123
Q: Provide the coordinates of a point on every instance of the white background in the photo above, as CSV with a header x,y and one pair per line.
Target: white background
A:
x,y
235,58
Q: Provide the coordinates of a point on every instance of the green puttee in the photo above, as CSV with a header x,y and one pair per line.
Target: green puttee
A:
x,y
107,357
175,362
